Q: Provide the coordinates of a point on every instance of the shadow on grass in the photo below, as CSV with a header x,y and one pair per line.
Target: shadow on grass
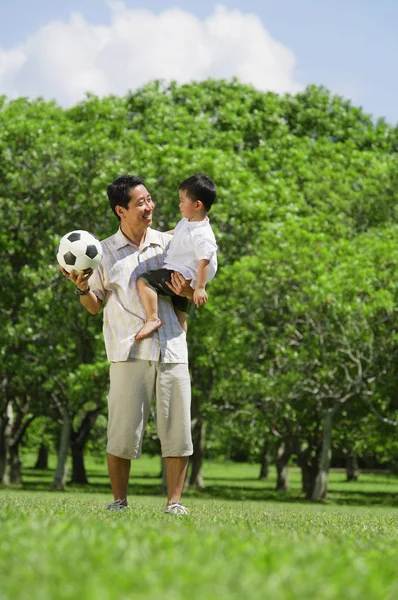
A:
x,y
89,488
240,487
140,487
47,474
215,478
350,498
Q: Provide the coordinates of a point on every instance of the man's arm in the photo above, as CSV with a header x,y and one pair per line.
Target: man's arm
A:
x,y
180,285
90,301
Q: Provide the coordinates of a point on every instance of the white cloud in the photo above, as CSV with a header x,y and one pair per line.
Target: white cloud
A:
x,y
64,60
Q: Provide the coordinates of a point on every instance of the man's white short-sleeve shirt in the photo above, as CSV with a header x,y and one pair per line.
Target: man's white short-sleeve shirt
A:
x,y
115,283
192,241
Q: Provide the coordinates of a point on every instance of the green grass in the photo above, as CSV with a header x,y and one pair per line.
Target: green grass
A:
x,y
228,481
234,544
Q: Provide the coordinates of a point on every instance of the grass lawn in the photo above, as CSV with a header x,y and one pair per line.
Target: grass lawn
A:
x,y
237,541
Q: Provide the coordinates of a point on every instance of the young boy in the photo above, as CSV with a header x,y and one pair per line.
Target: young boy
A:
x,y
192,252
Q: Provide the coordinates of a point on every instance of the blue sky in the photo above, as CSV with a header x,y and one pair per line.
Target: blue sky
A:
x,y
349,46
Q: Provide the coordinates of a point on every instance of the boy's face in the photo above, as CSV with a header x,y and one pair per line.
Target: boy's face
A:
x,y
188,207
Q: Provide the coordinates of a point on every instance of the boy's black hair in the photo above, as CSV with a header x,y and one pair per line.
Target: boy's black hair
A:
x,y
200,187
119,191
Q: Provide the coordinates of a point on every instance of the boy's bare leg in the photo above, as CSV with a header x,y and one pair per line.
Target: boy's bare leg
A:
x,y
119,471
182,319
149,299
176,470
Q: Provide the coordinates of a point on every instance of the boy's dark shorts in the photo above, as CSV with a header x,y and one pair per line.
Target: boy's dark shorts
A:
x,y
156,279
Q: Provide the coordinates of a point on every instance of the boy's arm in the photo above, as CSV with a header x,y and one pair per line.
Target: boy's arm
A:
x,y
200,295
171,232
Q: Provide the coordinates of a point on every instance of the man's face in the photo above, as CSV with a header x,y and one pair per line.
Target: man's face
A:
x,y
139,210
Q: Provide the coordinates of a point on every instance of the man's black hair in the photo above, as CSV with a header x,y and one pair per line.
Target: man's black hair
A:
x,y
200,187
119,191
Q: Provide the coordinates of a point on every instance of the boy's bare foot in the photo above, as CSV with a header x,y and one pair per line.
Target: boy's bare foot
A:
x,y
148,327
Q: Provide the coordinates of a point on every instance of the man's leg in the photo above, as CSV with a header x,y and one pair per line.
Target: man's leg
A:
x,y
173,422
119,471
176,470
131,392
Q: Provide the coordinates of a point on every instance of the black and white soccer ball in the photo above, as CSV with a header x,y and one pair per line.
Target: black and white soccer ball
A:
x,y
79,250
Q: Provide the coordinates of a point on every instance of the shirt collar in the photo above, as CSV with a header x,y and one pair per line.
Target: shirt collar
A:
x,y
152,237
195,224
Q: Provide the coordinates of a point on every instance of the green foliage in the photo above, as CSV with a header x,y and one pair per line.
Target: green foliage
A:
x,y
302,315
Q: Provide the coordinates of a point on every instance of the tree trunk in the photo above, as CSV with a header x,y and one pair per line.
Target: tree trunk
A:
x,y
308,462
321,482
5,433
18,423
60,475
352,467
198,438
78,442
265,460
394,467
282,469
79,474
4,479
15,464
42,458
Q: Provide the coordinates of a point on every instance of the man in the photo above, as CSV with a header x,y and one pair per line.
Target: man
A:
x,y
156,366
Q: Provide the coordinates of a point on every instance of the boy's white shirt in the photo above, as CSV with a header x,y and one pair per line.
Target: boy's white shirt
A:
x,y
192,241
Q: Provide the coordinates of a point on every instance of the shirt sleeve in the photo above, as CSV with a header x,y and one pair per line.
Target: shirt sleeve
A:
x,y
205,246
96,283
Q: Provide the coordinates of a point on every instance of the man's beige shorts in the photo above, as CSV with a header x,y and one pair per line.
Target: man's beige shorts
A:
x,y
133,385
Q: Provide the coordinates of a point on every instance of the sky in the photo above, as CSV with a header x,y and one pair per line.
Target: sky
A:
x,y
62,50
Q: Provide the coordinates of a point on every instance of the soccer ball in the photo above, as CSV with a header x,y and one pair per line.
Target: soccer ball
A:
x,y
79,250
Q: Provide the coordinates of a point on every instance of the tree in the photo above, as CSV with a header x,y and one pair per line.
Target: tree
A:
x,y
296,339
